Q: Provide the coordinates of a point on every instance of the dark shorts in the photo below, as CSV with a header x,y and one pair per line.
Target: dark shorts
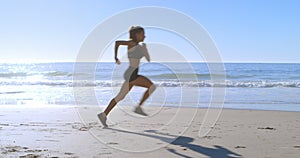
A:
x,y
131,74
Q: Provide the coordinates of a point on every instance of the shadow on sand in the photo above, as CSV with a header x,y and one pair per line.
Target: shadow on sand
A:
x,y
183,141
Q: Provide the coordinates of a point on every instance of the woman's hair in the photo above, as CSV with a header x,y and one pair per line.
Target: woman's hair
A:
x,y
134,30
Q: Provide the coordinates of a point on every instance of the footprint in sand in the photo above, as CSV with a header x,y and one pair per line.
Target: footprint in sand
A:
x,y
239,147
11,149
88,126
67,153
210,137
30,156
267,128
297,146
112,143
32,153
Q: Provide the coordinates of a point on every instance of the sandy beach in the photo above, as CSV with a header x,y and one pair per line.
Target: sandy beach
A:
x,y
167,132
217,79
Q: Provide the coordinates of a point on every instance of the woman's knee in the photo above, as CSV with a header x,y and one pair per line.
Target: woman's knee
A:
x,y
152,88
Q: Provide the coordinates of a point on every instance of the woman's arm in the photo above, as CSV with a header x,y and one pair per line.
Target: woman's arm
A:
x,y
117,44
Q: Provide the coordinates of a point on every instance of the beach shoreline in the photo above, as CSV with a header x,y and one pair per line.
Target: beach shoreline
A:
x,y
168,132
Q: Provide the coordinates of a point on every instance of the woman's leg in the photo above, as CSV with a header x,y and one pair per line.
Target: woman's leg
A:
x,y
126,87
143,81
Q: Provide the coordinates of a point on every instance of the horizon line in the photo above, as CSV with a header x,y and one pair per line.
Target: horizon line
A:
x,y
71,61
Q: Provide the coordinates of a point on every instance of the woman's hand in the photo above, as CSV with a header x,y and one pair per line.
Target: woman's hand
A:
x,y
117,61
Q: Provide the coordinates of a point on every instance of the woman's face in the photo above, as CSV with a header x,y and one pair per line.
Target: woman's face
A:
x,y
140,36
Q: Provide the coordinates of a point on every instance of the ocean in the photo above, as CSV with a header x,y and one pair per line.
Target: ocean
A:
x,y
258,86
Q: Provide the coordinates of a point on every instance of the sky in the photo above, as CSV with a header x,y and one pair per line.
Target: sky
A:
x,y
243,31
